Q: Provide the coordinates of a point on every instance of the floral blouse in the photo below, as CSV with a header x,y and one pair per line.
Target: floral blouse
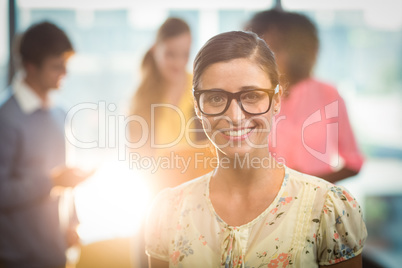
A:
x,y
311,222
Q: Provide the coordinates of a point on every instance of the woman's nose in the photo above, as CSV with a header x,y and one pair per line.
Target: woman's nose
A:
x,y
234,112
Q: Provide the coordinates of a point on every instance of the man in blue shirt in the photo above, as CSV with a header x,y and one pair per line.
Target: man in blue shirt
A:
x,y
32,155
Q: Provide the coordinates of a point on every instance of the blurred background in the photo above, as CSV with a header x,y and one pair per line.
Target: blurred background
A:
x,y
360,53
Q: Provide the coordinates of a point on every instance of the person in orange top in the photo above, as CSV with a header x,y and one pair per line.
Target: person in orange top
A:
x,y
164,82
312,132
164,100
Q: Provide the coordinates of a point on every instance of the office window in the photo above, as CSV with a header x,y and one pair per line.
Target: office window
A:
x,y
4,46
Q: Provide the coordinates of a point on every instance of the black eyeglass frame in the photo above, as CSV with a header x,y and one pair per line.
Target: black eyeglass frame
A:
x,y
271,93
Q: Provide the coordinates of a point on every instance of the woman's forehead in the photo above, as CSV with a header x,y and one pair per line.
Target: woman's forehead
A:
x,y
236,73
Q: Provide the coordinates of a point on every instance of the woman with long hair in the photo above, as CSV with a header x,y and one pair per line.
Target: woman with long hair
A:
x,y
164,103
166,83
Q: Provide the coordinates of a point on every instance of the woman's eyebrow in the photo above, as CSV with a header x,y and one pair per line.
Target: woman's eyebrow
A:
x,y
243,88
249,88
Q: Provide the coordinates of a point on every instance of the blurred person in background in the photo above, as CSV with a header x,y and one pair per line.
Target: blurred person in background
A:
x,y
251,211
166,84
32,156
315,133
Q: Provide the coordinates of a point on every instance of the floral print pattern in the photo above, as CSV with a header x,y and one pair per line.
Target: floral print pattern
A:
x,y
310,223
182,248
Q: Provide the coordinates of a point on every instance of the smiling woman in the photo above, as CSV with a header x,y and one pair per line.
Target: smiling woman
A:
x,y
245,115
246,213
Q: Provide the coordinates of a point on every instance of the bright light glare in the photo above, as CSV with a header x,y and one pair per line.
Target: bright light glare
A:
x,y
112,203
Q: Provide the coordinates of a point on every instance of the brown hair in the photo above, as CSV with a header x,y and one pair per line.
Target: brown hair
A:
x,y
234,45
151,87
43,40
293,33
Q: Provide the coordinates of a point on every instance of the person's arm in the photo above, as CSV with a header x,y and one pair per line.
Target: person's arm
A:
x,y
338,175
155,263
348,148
19,185
355,262
69,177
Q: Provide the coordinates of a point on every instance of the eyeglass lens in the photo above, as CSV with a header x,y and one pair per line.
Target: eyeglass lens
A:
x,y
253,102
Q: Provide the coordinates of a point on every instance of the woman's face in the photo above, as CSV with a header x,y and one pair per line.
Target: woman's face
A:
x,y
237,132
171,56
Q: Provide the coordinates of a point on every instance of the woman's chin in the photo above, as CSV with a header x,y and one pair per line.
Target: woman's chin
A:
x,y
235,152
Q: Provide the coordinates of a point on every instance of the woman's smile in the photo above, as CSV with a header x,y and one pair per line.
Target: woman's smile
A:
x,y
236,131
237,134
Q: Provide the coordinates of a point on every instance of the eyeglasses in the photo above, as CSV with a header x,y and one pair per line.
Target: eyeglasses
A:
x,y
217,101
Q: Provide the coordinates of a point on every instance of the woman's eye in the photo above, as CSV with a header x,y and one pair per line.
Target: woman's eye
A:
x,y
251,96
216,99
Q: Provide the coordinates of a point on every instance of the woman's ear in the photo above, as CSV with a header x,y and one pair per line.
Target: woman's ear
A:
x,y
277,100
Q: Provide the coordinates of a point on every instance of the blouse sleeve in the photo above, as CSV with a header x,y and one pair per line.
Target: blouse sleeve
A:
x,y
156,240
342,231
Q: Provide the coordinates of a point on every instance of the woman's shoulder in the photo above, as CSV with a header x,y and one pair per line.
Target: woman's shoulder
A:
x,y
191,188
314,86
322,85
305,180
327,192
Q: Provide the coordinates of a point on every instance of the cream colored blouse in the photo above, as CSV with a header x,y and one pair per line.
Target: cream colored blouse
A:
x,y
311,222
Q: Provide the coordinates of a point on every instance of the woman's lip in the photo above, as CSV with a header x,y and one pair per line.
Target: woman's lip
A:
x,y
235,129
237,134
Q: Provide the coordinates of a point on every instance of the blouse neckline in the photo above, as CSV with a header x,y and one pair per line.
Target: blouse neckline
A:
x,y
259,217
